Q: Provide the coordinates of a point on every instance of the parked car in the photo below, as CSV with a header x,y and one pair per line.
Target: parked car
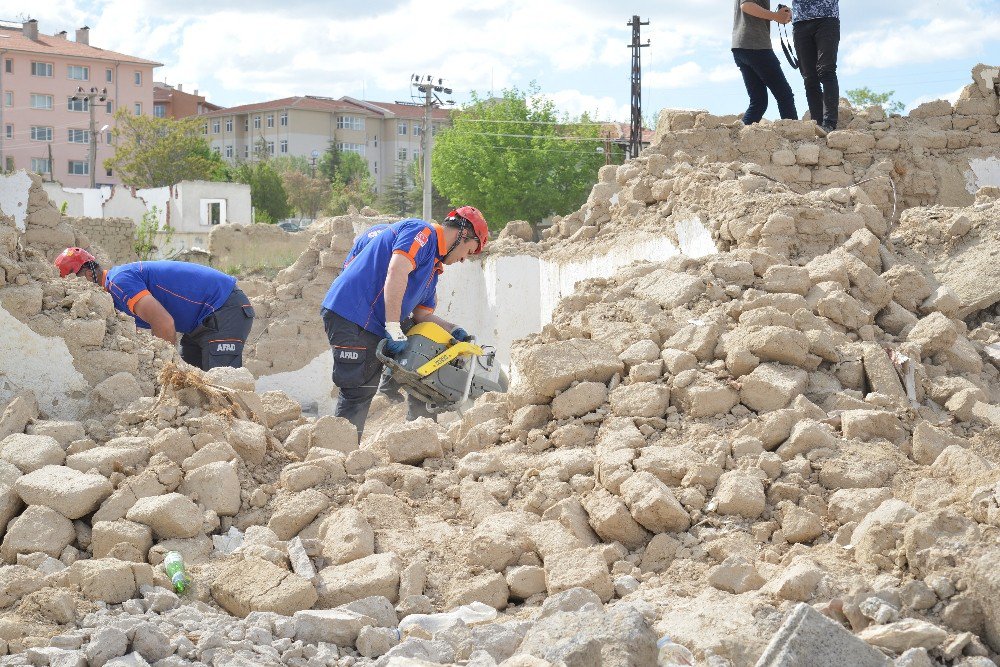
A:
x,y
289,226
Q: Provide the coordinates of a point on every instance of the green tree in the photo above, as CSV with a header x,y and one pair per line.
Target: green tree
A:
x,y
866,97
439,204
514,158
267,193
395,198
153,152
305,194
329,161
351,184
286,163
150,236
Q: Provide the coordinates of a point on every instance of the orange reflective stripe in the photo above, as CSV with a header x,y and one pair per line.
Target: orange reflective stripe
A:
x,y
413,261
442,245
428,309
134,300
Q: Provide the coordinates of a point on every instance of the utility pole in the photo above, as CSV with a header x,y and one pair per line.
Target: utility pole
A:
x,y
90,96
425,84
635,136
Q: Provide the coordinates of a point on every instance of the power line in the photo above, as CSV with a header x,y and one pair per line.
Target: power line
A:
x,y
532,136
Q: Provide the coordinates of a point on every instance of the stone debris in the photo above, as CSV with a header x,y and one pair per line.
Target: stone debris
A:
x,y
794,439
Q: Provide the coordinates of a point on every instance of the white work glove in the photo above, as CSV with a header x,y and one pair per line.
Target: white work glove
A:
x,y
395,338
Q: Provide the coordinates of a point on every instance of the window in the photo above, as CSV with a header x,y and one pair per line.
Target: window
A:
x,y
270,120
79,136
138,108
270,148
216,125
160,110
8,66
10,163
108,107
8,99
416,154
41,133
401,154
217,150
204,128
41,69
401,128
229,151
246,151
350,123
246,124
353,148
283,119
256,122
109,141
10,131
284,145
417,130
110,172
79,167
78,104
138,78
229,125
40,165
375,139
214,212
376,166
41,101
109,76
79,72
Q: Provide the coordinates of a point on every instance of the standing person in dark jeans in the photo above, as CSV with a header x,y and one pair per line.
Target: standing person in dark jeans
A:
x,y
816,32
757,61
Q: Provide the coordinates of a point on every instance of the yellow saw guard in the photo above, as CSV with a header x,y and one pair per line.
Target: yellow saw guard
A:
x,y
437,334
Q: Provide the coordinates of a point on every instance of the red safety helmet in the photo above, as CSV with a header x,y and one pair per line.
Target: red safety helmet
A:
x,y
72,260
475,219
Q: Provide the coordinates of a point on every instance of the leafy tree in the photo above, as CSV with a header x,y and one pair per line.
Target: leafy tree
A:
x,y
396,196
329,161
286,163
866,97
514,158
344,195
267,193
153,152
305,194
439,204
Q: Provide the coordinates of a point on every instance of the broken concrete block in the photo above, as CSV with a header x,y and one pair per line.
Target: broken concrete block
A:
x,y
800,525
612,521
960,464
772,386
740,493
881,373
70,492
410,443
641,399
373,575
490,588
31,452
249,439
523,581
735,575
549,368
107,535
806,633
296,511
107,579
333,626
871,425
797,582
579,400
37,529
170,516
934,333
584,568
903,635
347,536
214,485
17,414
334,433
806,436
653,504
255,584
929,441
703,396
501,539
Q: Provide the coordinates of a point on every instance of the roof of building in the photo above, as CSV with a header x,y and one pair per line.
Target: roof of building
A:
x,y
316,103
163,92
14,39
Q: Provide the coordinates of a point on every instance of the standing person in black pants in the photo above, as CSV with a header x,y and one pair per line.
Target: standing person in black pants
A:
x,y
755,57
816,32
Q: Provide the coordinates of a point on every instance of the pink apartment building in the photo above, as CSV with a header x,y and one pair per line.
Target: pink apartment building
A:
x,y
42,128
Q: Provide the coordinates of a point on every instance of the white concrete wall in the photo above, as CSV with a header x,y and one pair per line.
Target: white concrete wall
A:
x,y
41,364
14,196
508,297
982,173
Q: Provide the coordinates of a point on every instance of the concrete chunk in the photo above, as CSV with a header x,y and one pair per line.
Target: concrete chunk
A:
x,y
807,637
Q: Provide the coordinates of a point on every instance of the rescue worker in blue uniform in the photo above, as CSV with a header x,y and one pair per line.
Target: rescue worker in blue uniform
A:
x,y
393,274
205,306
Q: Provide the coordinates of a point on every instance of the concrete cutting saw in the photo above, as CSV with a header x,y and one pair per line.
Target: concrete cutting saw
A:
x,y
441,371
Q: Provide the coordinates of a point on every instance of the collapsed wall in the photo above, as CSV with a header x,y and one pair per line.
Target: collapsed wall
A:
x,y
692,447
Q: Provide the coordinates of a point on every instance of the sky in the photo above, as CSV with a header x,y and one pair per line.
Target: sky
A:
x,y
576,52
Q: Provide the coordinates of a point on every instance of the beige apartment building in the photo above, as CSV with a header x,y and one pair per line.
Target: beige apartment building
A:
x,y
43,129
387,135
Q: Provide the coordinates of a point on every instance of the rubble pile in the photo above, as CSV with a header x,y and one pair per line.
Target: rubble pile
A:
x,y
789,447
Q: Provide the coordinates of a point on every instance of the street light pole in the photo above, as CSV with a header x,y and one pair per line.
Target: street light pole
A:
x,y
90,96
426,86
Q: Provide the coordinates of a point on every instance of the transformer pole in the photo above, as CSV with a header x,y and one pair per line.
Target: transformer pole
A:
x,y
90,96
635,133
425,84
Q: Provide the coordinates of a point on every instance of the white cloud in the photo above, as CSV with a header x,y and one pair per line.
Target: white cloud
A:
x,y
691,75
575,103
951,97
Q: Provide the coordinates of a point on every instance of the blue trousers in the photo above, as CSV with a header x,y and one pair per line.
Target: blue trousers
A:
x,y
762,72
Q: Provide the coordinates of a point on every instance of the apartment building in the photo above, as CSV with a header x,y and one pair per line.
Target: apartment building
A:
x,y
43,128
387,135
173,102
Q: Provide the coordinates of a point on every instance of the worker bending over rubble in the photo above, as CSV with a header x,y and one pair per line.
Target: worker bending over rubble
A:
x,y
213,315
393,274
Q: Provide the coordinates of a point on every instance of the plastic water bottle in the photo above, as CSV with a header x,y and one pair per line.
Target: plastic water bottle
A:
x,y
173,563
671,654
